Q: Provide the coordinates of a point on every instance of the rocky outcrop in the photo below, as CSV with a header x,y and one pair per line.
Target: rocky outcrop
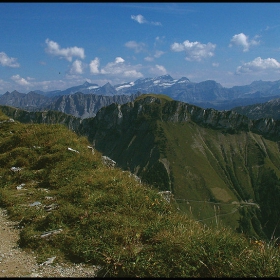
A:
x,y
269,109
87,105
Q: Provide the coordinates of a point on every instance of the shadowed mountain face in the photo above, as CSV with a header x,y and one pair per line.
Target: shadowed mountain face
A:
x,y
87,105
270,109
202,156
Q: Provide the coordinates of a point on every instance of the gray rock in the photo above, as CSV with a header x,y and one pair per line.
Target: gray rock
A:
x,y
36,203
15,169
108,162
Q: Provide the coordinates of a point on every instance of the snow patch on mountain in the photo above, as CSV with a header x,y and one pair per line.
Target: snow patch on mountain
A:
x,y
123,86
93,87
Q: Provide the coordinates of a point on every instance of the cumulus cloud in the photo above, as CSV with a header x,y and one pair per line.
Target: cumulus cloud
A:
x,y
195,51
137,47
132,74
19,80
30,83
93,66
242,40
120,68
119,60
257,65
158,70
8,61
158,53
77,67
67,53
113,67
140,19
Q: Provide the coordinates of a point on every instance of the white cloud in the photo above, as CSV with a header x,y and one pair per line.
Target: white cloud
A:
x,y
149,58
119,60
158,70
77,67
67,53
157,23
177,47
46,85
57,84
195,51
156,55
8,61
140,19
122,69
113,67
159,54
270,27
159,40
20,81
137,47
242,40
215,64
258,64
94,64
133,74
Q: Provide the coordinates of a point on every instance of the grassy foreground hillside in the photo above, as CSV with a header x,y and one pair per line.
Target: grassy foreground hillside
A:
x,y
70,205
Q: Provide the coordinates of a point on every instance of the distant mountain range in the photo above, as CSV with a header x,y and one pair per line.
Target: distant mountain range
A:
x,y
78,104
82,100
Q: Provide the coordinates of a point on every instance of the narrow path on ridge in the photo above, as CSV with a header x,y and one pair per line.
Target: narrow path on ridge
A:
x,y
15,262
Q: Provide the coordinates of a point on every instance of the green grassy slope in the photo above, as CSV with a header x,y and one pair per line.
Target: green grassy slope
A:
x,y
70,205
207,165
158,140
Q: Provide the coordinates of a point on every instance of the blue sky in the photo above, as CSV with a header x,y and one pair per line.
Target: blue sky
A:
x,y
52,46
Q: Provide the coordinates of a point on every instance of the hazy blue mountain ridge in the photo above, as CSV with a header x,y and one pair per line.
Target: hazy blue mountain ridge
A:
x,y
206,94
